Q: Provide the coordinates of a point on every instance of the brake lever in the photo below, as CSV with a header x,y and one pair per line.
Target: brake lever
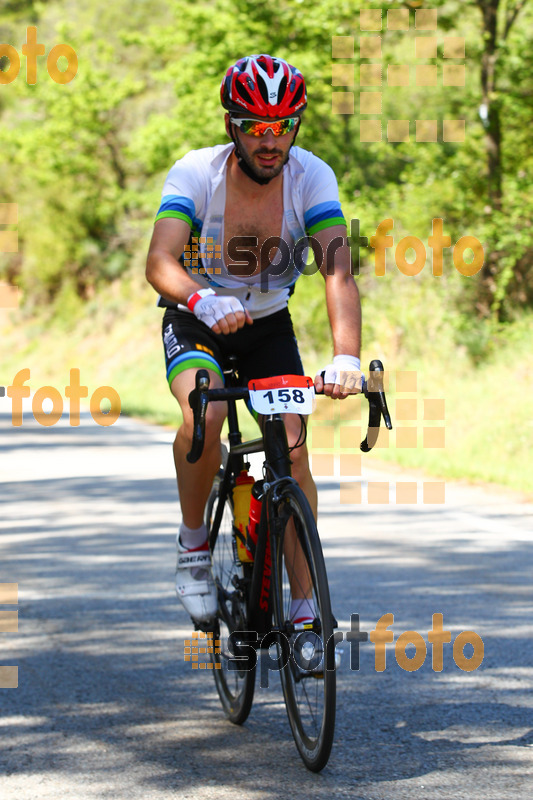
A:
x,y
377,405
198,401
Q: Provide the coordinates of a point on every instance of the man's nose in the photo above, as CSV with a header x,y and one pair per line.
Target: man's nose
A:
x,y
268,139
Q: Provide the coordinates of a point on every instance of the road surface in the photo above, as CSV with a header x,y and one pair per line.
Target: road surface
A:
x,y
106,706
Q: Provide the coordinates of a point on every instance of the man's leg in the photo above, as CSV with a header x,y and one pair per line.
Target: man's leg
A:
x,y
194,584
195,480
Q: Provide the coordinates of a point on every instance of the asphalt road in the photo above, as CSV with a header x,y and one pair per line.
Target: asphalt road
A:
x,y
106,706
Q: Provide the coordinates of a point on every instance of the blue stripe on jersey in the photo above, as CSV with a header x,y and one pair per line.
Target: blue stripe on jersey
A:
x,y
183,208
321,212
175,202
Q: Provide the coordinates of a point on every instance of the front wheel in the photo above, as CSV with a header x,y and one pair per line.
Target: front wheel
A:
x,y
235,686
299,574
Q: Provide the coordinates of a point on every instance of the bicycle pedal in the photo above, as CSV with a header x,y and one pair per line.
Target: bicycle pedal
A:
x,y
302,626
207,627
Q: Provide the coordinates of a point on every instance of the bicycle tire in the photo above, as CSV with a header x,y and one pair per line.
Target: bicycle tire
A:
x,y
310,697
235,687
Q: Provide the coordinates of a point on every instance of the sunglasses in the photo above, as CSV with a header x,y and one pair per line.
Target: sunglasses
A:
x,y
256,128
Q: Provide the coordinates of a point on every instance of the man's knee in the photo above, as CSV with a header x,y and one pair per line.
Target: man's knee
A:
x,y
182,386
214,420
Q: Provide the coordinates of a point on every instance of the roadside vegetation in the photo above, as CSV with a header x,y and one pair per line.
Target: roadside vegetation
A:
x,y
85,163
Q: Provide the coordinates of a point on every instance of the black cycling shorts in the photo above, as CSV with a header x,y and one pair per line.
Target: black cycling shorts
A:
x,y
266,348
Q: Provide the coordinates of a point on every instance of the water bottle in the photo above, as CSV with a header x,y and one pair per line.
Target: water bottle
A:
x,y
256,503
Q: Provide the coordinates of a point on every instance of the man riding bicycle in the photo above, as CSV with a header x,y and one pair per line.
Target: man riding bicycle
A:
x,y
263,188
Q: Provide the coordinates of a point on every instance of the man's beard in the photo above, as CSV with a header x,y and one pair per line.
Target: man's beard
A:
x,y
263,172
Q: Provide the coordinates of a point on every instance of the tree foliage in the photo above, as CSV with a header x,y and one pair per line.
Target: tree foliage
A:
x,y
85,161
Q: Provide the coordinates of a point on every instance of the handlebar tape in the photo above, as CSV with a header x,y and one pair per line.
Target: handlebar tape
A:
x,y
198,402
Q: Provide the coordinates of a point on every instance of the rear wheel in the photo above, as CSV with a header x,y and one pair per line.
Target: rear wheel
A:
x,y
235,686
298,572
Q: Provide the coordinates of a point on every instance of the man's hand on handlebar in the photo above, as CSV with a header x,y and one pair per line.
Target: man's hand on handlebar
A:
x,y
222,313
341,378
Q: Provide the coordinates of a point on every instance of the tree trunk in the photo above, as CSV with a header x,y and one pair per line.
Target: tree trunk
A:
x,y
493,136
493,144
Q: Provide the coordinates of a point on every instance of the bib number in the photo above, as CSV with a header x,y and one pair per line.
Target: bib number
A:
x,y
283,394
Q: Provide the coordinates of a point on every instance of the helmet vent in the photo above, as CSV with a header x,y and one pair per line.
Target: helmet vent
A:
x,y
298,96
282,88
261,85
243,92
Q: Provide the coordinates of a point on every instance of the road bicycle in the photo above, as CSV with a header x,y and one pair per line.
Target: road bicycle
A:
x,y
276,560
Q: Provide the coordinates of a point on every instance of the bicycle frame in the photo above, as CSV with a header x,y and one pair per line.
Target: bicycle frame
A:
x,y
288,565
277,463
278,468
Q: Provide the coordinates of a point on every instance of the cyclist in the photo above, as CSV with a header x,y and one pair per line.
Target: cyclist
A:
x,y
261,187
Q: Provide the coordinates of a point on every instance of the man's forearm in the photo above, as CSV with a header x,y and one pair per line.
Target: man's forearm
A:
x,y
169,278
344,311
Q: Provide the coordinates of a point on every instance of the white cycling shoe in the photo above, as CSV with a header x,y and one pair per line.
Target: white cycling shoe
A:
x,y
195,586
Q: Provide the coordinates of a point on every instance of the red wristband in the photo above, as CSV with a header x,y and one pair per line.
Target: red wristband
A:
x,y
195,296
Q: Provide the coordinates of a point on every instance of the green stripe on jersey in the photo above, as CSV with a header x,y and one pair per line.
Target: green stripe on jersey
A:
x,y
326,223
175,215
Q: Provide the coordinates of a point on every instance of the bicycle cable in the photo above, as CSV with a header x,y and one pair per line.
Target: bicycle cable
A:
x,y
303,427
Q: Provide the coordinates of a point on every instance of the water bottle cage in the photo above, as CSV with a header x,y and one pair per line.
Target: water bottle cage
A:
x,y
245,541
250,544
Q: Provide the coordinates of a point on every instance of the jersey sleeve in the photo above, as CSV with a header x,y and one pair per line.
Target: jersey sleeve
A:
x,y
182,196
322,208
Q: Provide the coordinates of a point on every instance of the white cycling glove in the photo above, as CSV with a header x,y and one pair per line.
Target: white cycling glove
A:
x,y
346,372
209,307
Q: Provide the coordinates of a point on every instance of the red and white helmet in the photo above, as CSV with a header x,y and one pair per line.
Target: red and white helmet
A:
x,y
265,86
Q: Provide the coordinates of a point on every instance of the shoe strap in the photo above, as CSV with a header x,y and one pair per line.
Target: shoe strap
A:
x,y
193,588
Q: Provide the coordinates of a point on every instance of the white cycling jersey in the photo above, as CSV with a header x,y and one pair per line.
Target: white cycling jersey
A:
x,y
195,191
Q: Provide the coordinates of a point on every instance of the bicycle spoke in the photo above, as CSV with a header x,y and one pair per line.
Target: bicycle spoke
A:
x,y
235,687
299,575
